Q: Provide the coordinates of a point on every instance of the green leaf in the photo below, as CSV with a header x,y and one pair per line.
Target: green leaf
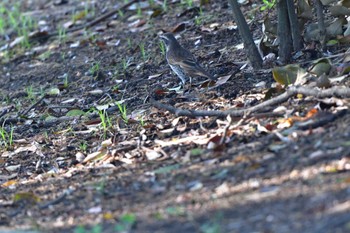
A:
x,y
175,210
96,229
288,74
128,219
75,112
80,229
167,169
53,91
196,151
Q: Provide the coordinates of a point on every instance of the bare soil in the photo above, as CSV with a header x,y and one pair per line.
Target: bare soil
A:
x,y
158,172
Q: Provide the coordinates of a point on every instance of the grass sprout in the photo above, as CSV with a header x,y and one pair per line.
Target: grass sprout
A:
x,y
188,3
123,111
105,122
143,51
162,47
165,5
6,137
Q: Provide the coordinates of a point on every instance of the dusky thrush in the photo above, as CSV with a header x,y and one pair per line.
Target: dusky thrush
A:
x,y
181,61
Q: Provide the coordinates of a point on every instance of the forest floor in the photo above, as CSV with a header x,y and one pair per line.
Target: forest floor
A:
x,y
90,153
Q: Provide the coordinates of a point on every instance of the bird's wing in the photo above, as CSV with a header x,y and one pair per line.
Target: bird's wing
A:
x,y
183,58
181,55
188,62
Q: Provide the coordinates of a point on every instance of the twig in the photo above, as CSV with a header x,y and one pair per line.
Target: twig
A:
x,y
109,14
320,120
291,91
99,19
57,200
33,106
6,110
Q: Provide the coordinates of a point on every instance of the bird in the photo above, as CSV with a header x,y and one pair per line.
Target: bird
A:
x,y
181,61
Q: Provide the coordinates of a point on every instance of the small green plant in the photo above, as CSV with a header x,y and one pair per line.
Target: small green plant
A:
x,y
83,146
129,43
42,91
25,38
95,229
162,47
120,13
126,222
188,3
7,55
115,88
100,186
123,111
2,26
268,4
78,15
62,35
45,55
2,19
175,210
142,122
165,5
23,28
86,9
143,51
105,121
46,135
211,228
80,229
89,35
6,137
19,23
63,56
92,9
199,18
65,81
13,16
30,93
139,10
95,68
125,64
214,225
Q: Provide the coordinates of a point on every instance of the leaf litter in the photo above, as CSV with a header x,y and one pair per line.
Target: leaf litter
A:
x,y
156,169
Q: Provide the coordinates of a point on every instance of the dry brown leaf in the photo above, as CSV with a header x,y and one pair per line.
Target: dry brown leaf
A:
x,y
200,140
9,183
178,28
98,155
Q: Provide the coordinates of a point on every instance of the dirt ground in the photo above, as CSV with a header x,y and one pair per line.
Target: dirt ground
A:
x,y
72,168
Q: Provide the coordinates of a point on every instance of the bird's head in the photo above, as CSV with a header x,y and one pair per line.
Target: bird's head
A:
x,y
168,39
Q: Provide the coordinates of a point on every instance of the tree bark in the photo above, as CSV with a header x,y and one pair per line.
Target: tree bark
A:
x,y
294,26
243,29
321,25
284,32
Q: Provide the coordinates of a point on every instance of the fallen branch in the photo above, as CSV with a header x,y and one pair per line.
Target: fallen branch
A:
x,y
99,19
59,199
25,112
109,14
291,91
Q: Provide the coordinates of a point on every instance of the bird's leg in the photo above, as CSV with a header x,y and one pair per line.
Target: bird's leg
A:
x,y
182,84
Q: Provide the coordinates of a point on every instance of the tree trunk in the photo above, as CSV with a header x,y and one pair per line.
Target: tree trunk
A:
x,y
294,26
284,32
243,29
